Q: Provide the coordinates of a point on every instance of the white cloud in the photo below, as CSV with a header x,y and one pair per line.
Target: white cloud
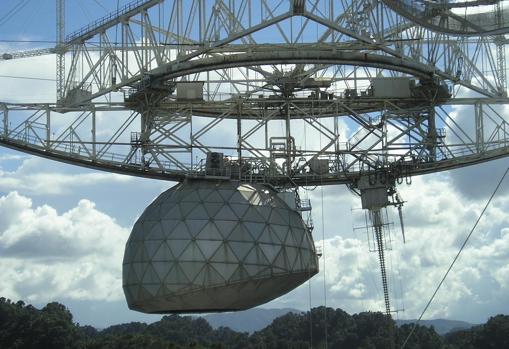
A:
x,y
10,157
49,254
45,256
47,183
438,219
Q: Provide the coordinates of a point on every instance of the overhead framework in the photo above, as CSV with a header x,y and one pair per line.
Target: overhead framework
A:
x,y
60,49
463,17
289,93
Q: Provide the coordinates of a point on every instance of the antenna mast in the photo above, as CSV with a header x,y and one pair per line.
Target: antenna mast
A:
x,y
60,49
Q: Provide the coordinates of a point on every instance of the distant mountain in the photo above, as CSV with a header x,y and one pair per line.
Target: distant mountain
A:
x,y
250,320
256,319
442,326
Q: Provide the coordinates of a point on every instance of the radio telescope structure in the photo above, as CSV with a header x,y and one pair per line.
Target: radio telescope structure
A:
x,y
242,103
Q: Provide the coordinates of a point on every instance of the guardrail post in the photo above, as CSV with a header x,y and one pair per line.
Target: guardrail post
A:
x,y
48,128
94,149
5,120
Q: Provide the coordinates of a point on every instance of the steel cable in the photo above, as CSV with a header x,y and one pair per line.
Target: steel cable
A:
x,y
455,258
14,11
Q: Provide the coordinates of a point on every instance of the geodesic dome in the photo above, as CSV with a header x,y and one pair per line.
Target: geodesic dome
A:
x,y
206,246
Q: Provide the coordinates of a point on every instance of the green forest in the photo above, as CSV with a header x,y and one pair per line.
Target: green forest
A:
x,y
24,326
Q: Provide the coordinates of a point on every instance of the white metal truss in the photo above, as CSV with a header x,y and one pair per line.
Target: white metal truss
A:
x,y
283,92
287,90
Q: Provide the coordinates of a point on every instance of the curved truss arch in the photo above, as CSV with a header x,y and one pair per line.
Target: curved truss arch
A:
x,y
284,84
292,93
470,18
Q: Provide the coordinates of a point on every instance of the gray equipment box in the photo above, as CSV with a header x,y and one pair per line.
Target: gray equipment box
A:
x,y
398,87
190,91
373,193
319,166
215,164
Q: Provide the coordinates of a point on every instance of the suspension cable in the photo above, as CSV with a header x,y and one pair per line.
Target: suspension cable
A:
x,y
309,268
310,310
456,257
324,279
323,255
13,12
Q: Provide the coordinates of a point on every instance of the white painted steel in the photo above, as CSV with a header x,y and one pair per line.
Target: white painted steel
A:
x,y
215,246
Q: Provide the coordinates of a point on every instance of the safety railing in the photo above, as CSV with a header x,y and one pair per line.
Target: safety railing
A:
x,y
111,17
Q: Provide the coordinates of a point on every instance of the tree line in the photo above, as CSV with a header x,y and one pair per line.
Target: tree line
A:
x,y
24,326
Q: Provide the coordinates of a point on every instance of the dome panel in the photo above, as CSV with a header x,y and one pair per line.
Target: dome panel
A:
x,y
268,236
215,197
167,226
141,254
171,211
252,269
192,253
208,247
156,233
255,229
270,251
198,212
191,270
152,246
162,269
195,226
240,209
225,227
280,230
150,276
181,232
209,232
213,208
240,233
241,249
215,246
256,256
226,270
187,206
178,246
226,213
224,254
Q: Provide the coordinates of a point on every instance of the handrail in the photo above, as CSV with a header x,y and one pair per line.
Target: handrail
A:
x,y
112,17
431,15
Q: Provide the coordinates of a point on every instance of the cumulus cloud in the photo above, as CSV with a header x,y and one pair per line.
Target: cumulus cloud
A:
x,y
437,220
76,253
62,185
461,122
46,255
41,177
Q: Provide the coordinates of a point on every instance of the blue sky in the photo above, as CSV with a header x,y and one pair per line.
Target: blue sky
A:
x,y
62,228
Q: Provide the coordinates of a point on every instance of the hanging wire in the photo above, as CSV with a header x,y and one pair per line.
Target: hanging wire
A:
x,y
323,254
401,291
29,18
116,27
102,6
85,10
13,12
373,266
25,78
310,313
309,274
324,279
456,257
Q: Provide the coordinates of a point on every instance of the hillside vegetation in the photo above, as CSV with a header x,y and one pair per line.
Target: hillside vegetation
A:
x,y
24,326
